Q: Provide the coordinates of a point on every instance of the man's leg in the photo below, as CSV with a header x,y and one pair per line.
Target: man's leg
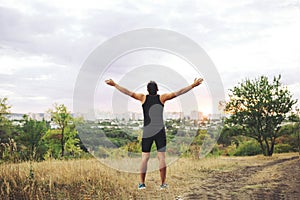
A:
x,y
143,168
162,166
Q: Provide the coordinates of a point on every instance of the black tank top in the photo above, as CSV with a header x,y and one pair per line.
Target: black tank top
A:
x,y
153,112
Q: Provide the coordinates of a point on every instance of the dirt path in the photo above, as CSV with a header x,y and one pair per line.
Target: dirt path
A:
x,y
272,180
235,178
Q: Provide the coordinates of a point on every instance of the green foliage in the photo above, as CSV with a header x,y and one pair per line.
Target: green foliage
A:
x,y
295,117
186,150
283,148
289,135
198,139
135,146
5,124
102,152
249,148
203,144
9,151
97,137
257,109
30,139
8,146
229,150
215,152
118,153
229,135
72,142
52,142
68,138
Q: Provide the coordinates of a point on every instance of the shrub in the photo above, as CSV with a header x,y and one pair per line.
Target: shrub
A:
x,y
249,148
229,150
215,152
185,150
283,148
102,152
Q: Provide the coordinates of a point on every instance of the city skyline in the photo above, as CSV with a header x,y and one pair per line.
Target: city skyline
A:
x,y
193,115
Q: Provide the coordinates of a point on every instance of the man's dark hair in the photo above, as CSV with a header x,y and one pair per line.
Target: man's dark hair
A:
x,y
152,88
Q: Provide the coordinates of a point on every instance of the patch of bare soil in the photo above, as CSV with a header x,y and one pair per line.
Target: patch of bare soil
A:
x,y
275,179
258,177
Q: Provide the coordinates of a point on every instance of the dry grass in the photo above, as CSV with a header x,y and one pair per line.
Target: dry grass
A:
x,y
76,179
89,179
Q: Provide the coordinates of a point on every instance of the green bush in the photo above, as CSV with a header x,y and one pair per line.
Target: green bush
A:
x,y
229,150
249,148
215,152
283,148
102,152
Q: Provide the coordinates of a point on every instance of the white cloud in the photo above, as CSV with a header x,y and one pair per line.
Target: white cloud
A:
x,y
44,43
39,78
5,92
10,64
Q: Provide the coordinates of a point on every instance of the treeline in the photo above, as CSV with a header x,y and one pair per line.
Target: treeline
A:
x,y
70,137
29,139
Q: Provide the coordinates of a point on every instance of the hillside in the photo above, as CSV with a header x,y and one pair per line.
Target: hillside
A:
x,y
254,177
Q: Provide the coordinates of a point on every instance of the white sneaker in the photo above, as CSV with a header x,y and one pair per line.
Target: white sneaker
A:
x,y
164,186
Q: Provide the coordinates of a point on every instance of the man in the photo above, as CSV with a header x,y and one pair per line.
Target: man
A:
x,y
153,130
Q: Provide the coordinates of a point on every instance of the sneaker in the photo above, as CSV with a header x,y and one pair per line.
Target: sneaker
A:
x,y
164,186
141,186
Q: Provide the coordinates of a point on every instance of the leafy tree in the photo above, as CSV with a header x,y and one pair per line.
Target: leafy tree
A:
x,y
5,124
8,146
66,125
257,108
52,142
72,144
230,136
30,138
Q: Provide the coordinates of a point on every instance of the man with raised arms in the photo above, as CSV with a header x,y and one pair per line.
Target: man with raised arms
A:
x,y
154,130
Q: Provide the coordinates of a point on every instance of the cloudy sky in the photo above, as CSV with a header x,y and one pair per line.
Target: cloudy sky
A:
x,y
43,44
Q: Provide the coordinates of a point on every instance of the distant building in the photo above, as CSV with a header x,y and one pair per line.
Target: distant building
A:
x,y
47,117
173,115
135,116
196,115
36,116
104,115
15,116
215,116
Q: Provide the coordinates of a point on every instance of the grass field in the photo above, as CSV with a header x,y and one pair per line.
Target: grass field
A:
x,y
254,177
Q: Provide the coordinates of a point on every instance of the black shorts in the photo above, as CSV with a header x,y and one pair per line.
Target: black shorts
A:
x,y
159,139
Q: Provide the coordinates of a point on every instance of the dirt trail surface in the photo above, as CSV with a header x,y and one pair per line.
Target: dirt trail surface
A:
x,y
258,177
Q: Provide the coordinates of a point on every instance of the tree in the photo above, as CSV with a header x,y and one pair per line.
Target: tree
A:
x,y
5,124
229,136
257,108
30,138
52,142
66,125
8,146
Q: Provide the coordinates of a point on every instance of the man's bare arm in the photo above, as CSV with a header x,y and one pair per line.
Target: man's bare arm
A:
x,y
124,90
168,96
